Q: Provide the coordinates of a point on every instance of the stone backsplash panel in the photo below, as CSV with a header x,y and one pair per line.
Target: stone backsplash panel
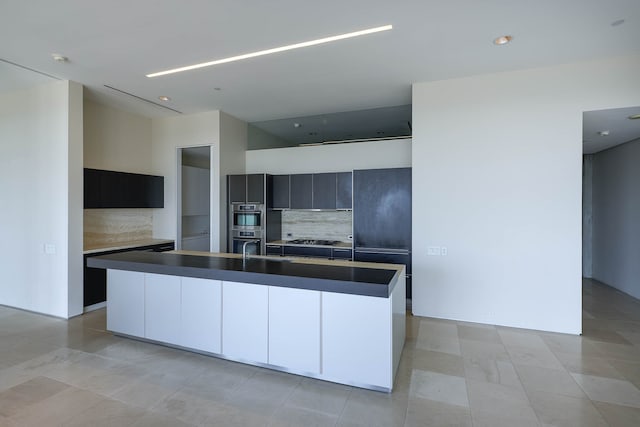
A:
x,y
329,225
103,226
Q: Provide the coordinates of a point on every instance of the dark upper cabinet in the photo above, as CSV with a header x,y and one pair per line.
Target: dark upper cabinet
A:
x,y
344,193
255,188
110,189
246,188
280,191
382,208
324,191
301,189
312,191
237,188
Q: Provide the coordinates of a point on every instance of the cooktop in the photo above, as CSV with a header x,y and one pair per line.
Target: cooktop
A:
x,y
314,242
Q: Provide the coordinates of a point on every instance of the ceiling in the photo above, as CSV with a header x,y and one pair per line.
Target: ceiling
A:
x,y
386,122
615,126
112,45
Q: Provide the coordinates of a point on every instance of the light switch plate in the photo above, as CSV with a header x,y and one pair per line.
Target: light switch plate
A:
x,y
49,248
433,250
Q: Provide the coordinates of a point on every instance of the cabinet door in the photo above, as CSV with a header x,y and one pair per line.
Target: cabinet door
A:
x,y
274,250
294,329
384,257
356,339
201,321
245,321
344,190
301,191
125,302
309,251
255,188
92,188
237,188
280,191
162,308
382,208
324,191
341,253
94,285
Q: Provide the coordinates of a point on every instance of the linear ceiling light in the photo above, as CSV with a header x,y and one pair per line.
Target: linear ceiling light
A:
x,y
274,50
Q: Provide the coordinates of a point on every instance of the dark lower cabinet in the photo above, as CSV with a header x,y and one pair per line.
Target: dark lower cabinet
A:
x,y
95,279
274,250
387,257
341,253
95,284
308,251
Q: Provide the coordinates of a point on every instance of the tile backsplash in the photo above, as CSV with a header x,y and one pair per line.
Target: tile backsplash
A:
x,y
329,225
116,225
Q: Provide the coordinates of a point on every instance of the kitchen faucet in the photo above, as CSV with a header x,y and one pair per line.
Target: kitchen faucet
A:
x,y
244,248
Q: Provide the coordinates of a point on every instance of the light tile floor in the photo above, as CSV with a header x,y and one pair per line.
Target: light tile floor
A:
x,y
74,373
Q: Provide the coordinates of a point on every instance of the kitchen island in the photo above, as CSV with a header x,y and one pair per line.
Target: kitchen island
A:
x,y
332,320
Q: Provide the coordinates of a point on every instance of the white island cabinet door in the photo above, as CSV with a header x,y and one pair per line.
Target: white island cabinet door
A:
x,y
356,339
245,321
125,302
294,329
201,325
162,308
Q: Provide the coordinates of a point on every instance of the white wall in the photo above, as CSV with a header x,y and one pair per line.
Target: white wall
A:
x,y
231,160
498,161
116,140
616,217
587,215
331,157
185,131
40,184
75,293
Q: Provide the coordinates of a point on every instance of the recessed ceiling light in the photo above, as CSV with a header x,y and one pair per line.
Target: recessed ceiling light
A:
x,y
502,40
603,133
59,58
164,98
274,50
618,22
634,117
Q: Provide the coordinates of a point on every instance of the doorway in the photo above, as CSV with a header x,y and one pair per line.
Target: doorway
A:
x,y
194,199
611,202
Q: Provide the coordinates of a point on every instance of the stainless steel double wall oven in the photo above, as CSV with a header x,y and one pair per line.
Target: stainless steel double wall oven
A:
x,y
247,222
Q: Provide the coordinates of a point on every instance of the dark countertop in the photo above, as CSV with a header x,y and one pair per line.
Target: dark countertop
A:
x,y
355,280
114,246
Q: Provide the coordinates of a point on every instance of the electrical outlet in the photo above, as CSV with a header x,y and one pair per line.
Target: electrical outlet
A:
x,y
433,250
443,251
49,248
